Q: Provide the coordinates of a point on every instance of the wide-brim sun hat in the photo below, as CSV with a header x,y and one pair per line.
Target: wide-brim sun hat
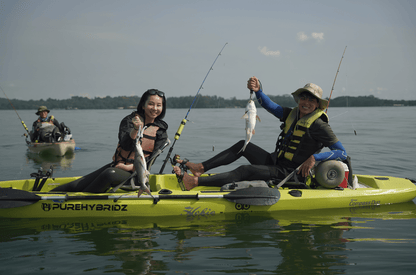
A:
x,y
314,90
41,109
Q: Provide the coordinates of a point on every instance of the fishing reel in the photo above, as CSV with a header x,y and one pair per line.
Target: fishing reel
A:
x,y
174,162
182,166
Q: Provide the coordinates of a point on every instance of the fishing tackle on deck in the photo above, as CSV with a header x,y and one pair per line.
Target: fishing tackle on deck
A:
x,y
183,122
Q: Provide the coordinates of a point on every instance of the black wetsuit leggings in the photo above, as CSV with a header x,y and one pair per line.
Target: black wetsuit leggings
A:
x,y
261,167
96,182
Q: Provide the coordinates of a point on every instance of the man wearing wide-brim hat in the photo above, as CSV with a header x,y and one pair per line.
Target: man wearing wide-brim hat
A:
x,y
305,131
46,128
313,90
42,109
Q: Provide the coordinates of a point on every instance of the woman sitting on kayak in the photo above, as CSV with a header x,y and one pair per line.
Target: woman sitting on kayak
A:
x,y
305,131
150,112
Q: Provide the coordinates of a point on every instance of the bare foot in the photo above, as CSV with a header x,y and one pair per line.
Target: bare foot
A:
x,y
188,181
197,169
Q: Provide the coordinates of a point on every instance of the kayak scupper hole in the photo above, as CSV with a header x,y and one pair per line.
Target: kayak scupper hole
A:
x,y
165,192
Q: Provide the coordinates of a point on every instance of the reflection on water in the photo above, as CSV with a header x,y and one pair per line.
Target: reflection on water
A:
x,y
47,160
298,241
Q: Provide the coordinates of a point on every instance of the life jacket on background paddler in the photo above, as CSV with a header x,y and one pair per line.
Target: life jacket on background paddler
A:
x,y
295,143
148,144
47,130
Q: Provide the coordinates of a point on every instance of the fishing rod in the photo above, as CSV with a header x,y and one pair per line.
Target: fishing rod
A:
x,y
326,111
23,123
183,122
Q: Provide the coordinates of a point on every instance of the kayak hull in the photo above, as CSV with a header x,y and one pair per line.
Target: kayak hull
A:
x,y
52,148
199,202
339,217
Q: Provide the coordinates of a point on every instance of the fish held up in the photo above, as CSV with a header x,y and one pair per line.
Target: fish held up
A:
x,y
140,165
250,116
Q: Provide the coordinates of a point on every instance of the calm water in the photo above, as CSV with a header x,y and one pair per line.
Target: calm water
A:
x,y
379,240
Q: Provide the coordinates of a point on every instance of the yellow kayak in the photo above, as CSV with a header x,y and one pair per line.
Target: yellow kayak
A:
x,y
18,200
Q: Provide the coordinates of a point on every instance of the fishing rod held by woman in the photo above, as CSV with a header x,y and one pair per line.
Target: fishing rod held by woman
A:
x,y
305,131
150,112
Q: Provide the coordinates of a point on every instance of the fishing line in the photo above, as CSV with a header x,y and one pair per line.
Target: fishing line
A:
x,y
346,86
183,122
23,123
332,117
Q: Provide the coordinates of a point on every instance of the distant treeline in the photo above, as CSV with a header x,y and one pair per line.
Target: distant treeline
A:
x,y
124,102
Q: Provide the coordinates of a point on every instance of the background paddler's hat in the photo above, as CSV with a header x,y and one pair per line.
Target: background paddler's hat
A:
x,y
41,109
314,90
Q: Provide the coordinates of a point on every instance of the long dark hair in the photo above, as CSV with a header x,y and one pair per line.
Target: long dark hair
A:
x,y
146,96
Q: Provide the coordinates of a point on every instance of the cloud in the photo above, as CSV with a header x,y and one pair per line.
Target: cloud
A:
x,y
318,36
267,52
302,36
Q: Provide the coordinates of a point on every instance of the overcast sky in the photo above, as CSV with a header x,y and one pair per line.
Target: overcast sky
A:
x,y
58,49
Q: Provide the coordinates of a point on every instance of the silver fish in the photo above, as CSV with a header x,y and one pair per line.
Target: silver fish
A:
x,y
140,164
250,115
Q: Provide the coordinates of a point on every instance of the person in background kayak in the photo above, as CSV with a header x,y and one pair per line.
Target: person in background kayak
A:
x,y
46,128
305,131
150,112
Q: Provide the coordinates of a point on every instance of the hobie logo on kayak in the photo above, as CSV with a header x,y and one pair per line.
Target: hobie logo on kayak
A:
x,y
83,207
240,206
198,212
355,202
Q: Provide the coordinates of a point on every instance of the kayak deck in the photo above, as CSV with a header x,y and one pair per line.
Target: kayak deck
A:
x,y
200,201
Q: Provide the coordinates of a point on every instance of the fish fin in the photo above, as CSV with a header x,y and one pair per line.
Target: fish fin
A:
x,y
245,115
254,131
258,118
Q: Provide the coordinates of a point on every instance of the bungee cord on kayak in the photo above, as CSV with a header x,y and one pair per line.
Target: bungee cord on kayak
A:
x,y
183,122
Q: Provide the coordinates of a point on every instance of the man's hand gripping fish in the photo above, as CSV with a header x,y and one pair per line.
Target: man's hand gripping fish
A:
x,y
250,116
140,165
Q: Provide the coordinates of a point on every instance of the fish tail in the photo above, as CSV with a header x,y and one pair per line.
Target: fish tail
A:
x,y
242,149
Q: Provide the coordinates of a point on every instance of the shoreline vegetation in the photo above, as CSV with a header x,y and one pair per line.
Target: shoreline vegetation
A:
x,y
130,102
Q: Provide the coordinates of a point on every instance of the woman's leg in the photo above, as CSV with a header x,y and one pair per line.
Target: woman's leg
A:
x,y
97,181
81,183
109,177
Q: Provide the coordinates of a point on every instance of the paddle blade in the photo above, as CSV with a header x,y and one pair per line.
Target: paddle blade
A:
x,y
12,198
254,196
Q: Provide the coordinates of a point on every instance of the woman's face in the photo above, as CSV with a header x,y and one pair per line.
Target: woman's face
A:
x,y
307,104
153,107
